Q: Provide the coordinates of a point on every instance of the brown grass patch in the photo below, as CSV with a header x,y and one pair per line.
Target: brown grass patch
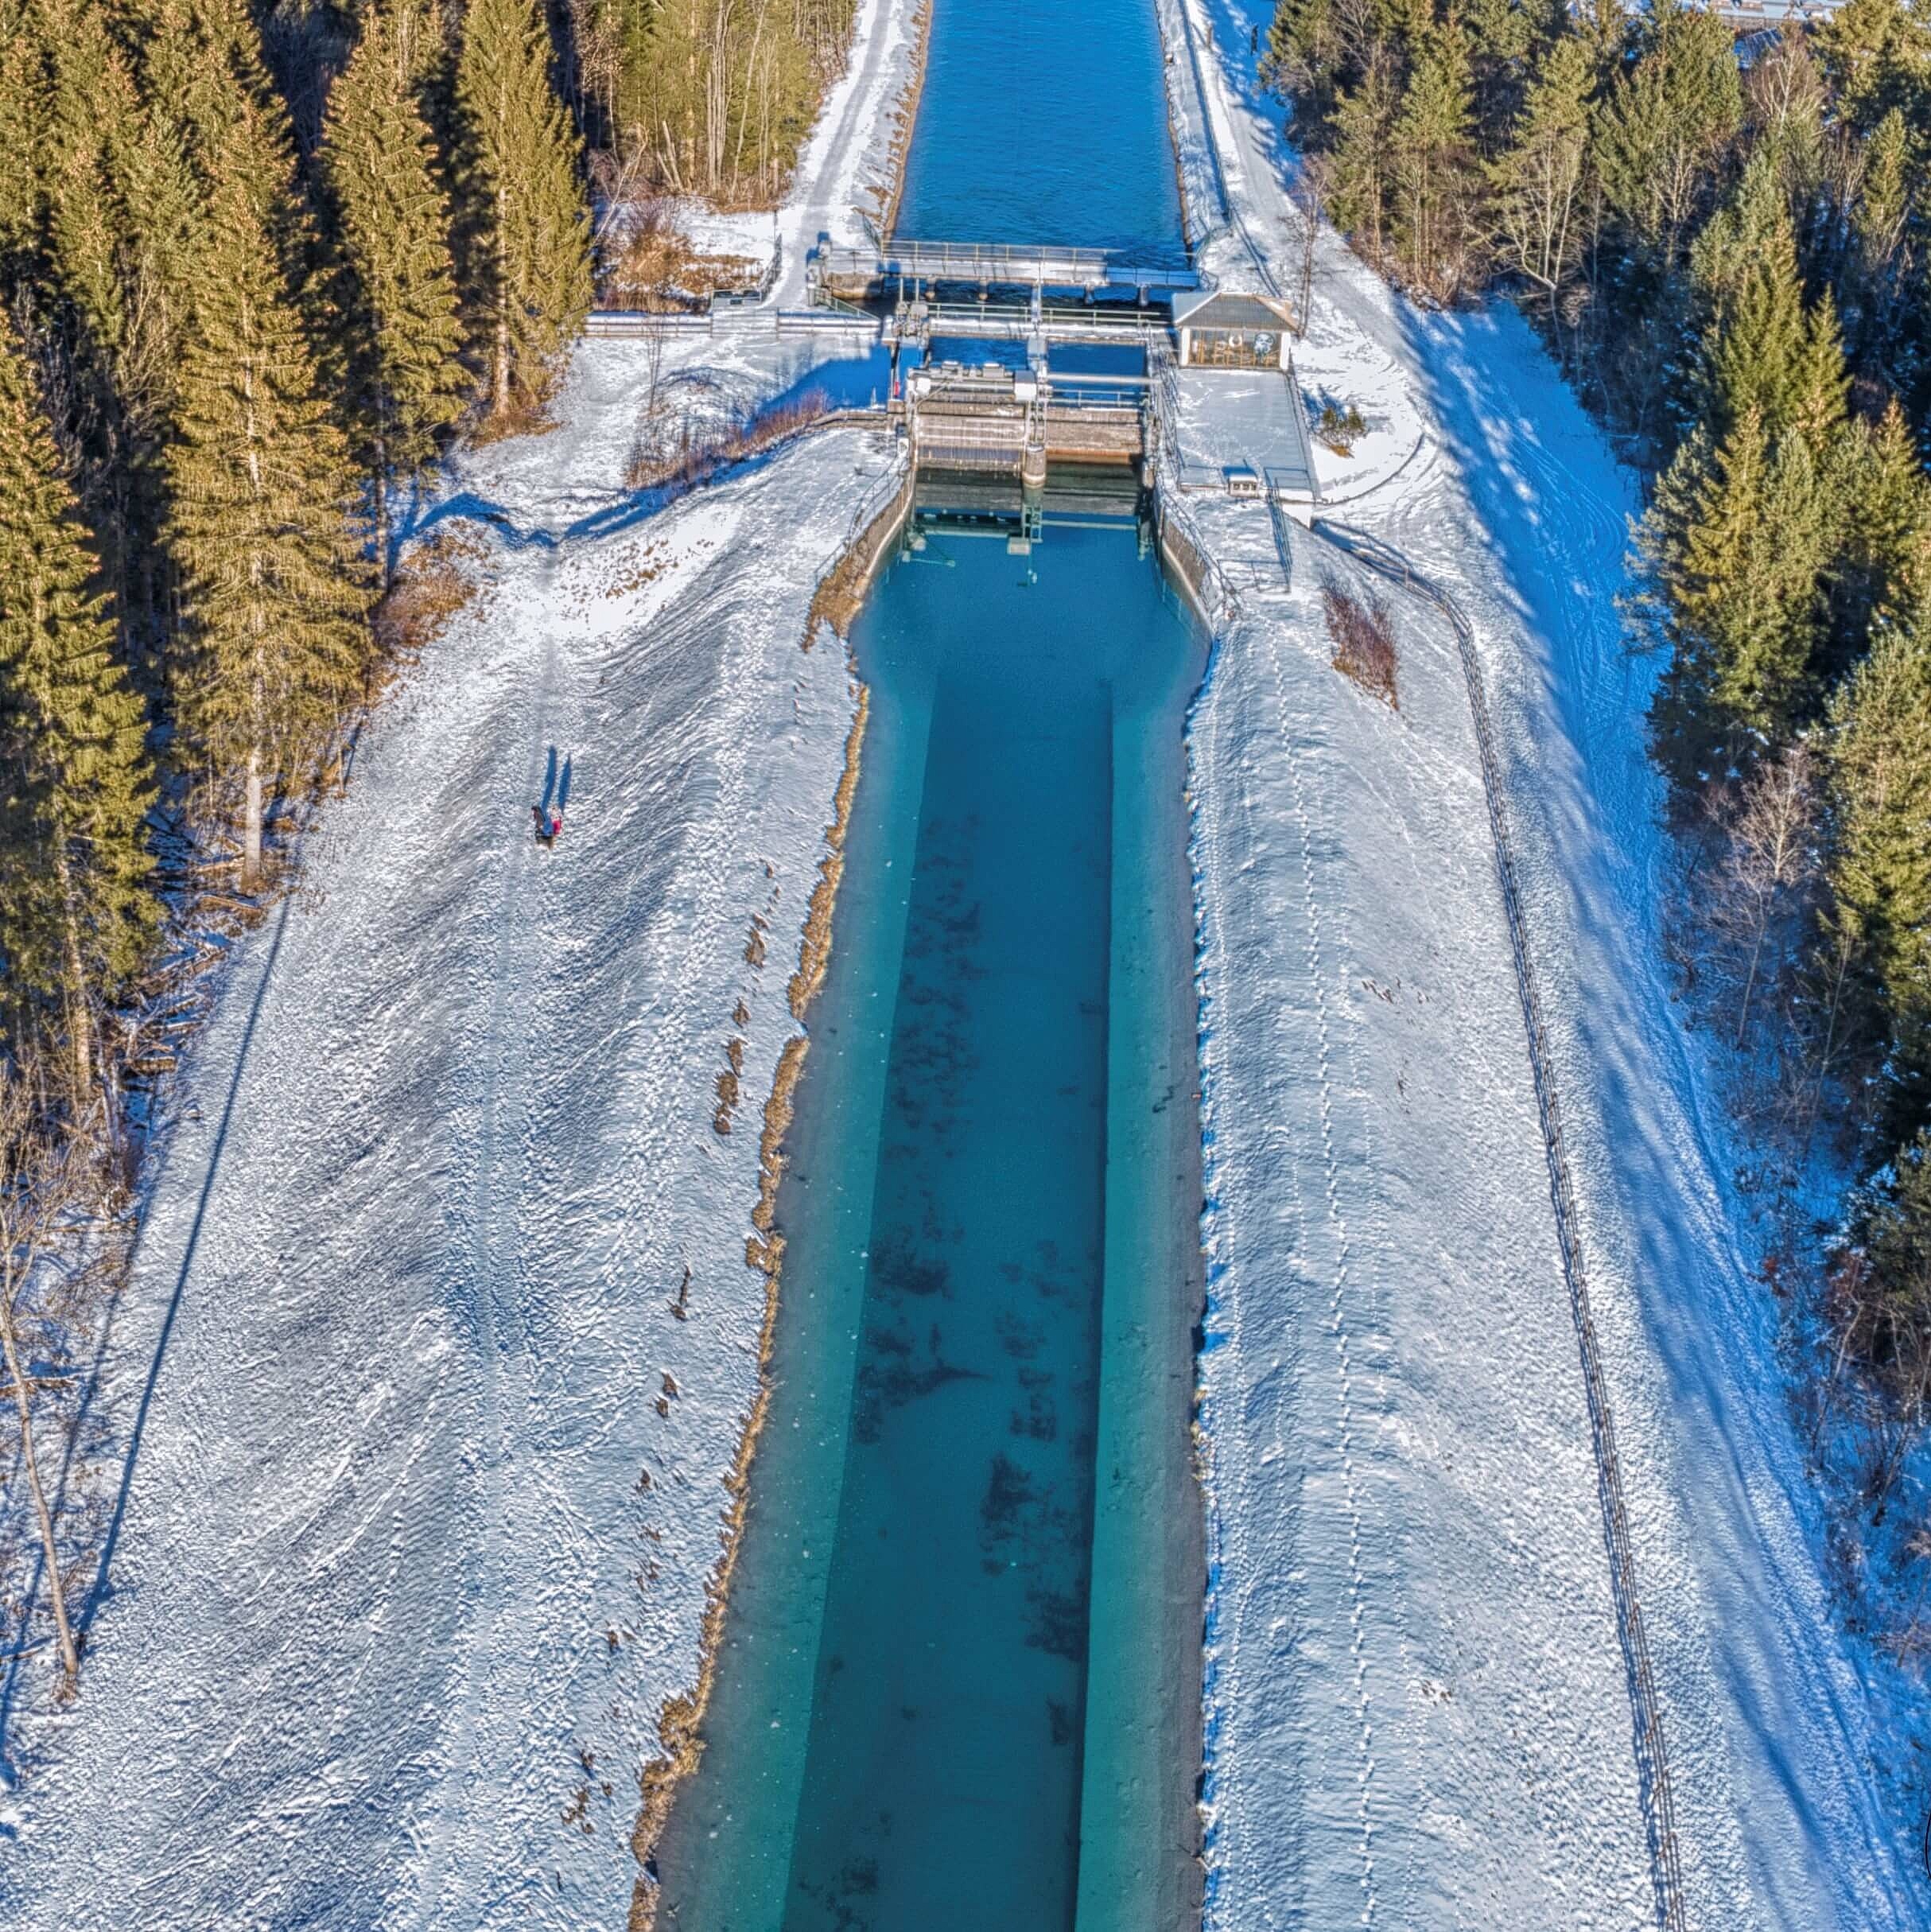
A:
x,y
815,954
521,415
840,594
432,585
662,271
1364,642
676,463
728,1081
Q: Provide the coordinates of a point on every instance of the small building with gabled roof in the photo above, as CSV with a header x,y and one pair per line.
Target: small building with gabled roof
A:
x,y
1223,330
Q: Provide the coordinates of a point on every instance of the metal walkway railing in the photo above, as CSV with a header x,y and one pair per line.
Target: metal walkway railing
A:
x,y
994,264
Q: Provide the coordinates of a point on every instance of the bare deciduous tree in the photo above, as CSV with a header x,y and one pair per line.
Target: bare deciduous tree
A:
x,y
1770,861
1309,195
37,1189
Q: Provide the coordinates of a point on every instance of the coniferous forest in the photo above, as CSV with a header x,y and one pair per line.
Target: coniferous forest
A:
x,y
254,275
1727,244
258,268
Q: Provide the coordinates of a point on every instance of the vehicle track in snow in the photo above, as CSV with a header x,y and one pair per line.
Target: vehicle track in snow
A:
x,y
496,1042
1652,1758
1341,1280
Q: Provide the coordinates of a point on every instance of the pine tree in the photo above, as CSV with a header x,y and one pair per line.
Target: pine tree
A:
x,y
77,171
1362,172
167,220
529,264
259,479
1885,573
1761,345
1658,133
1305,52
1893,1229
22,90
1820,405
1436,174
405,381
1506,38
1880,760
81,785
1882,214
1877,55
1883,203
1736,545
1538,181
117,338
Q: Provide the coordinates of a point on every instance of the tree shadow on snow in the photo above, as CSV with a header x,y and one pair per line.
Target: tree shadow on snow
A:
x,y
1657,1221
100,1591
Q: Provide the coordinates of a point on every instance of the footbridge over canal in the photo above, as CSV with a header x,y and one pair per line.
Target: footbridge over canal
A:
x,y
898,267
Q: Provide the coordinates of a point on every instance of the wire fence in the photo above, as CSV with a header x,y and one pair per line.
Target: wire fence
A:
x,y
1652,1760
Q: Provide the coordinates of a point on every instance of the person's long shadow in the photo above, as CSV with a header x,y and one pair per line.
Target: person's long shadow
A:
x,y
99,1591
556,783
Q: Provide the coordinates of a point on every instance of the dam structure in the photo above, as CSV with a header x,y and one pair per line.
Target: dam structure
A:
x,y
987,373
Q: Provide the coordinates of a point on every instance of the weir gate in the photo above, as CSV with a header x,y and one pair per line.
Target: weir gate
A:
x,y
1006,359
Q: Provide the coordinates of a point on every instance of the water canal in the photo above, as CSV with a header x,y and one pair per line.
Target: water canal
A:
x,y
959,1682
1045,121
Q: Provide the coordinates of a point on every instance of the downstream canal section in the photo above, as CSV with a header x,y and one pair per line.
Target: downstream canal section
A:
x,y
959,1679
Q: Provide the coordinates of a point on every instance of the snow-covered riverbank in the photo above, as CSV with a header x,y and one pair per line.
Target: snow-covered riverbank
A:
x,y
440,1336
1416,1707
443,1290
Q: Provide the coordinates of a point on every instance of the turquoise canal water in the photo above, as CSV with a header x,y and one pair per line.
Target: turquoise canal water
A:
x,y
959,1682
1045,121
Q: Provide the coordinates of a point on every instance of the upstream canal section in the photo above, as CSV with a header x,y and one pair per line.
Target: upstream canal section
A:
x,y
1045,121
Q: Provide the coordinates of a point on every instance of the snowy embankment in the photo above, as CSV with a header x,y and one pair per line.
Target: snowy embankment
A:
x,y
416,1410
1417,1709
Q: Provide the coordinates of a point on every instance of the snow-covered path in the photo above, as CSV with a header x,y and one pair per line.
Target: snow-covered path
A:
x,y
1404,1689
418,1526
1416,1708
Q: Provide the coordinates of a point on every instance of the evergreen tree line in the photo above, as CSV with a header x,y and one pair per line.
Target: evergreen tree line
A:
x,y
223,354
1734,260
247,294
705,97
